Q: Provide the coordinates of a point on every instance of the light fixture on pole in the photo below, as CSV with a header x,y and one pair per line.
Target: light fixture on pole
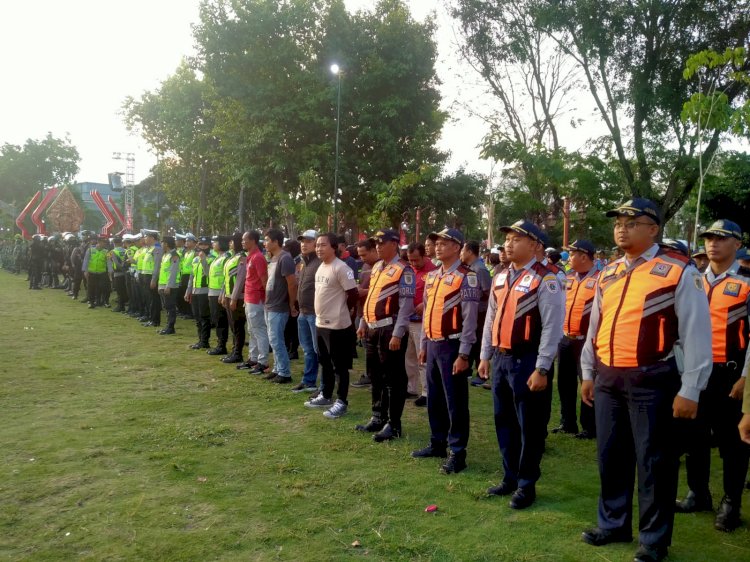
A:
x,y
335,69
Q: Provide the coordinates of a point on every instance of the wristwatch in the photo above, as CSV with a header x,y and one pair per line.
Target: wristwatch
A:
x,y
542,372
463,356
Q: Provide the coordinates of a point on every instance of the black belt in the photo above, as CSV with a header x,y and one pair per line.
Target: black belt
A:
x,y
729,365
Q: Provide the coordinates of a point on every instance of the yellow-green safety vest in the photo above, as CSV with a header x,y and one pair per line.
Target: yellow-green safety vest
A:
x,y
98,261
166,265
216,272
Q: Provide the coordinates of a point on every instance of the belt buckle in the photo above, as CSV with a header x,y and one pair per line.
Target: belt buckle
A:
x,y
732,365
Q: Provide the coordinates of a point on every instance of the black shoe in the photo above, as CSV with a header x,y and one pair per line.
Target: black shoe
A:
x,y
388,433
217,351
143,319
647,553
293,355
522,498
278,379
363,381
585,435
487,386
476,381
232,359
247,365
149,325
421,402
372,426
410,395
431,450
728,515
259,369
92,306
600,537
270,375
454,464
167,331
694,502
502,489
199,345
565,429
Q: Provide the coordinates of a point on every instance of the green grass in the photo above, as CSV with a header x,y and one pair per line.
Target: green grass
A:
x,y
118,444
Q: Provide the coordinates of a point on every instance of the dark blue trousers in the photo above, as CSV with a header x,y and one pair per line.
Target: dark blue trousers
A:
x,y
520,418
635,432
447,397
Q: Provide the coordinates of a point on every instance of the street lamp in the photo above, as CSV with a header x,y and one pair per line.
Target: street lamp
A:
x,y
335,69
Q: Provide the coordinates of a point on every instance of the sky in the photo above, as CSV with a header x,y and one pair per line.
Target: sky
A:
x,y
67,67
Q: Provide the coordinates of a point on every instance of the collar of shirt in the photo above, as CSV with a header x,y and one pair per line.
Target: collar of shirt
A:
x,y
513,273
451,269
581,277
645,256
712,278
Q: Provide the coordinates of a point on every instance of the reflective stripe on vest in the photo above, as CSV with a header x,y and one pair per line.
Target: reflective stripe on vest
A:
x,y
444,317
727,301
98,261
382,298
518,323
166,266
578,303
638,323
216,273
231,267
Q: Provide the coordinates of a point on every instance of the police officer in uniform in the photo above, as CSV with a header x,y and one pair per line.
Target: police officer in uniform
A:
x,y
646,301
234,282
151,269
197,292
186,268
215,288
727,285
451,301
169,279
384,326
95,271
117,272
580,289
521,333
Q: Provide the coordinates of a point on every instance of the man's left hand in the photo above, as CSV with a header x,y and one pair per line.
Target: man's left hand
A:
x,y
738,389
684,408
537,382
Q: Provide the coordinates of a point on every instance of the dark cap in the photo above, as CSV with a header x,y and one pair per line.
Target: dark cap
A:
x,y
526,228
387,235
742,254
637,207
451,234
307,235
204,240
169,241
699,252
103,238
723,228
582,246
675,245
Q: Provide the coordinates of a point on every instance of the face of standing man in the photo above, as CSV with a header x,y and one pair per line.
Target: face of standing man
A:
x,y
520,249
324,250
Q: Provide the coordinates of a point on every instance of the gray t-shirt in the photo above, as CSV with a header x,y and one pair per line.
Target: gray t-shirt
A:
x,y
277,291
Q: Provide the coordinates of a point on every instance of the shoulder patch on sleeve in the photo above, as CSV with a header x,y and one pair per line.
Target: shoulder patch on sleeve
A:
x,y
350,274
553,286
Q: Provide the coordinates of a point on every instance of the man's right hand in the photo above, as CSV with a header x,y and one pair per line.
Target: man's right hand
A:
x,y
587,392
744,428
361,333
422,358
484,369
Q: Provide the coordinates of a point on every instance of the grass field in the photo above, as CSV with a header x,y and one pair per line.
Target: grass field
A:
x,y
118,444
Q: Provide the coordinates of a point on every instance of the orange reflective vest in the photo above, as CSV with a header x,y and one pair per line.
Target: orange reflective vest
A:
x,y
638,323
727,301
444,317
578,302
518,323
382,298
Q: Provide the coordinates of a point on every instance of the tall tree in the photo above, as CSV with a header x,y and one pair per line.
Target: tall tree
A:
x,y
37,164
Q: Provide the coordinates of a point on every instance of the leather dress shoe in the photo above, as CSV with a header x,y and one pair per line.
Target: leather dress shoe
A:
x,y
246,365
217,351
600,537
522,498
585,435
694,502
199,346
648,553
388,433
431,450
454,464
232,359
373,425
502,489
565,429
728,515
167,331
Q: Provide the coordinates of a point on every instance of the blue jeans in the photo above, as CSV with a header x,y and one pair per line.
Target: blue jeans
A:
x,y
308,339
257,332
276,322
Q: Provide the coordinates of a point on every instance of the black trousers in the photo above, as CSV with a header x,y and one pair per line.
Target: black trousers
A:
x,y
121,290
95,288
182,306
718,414
144,288
335,359
636,432
219,321
202,315
77,278
237,321
388,374
447,397
477,347
291,335
154,312
568,375
169,302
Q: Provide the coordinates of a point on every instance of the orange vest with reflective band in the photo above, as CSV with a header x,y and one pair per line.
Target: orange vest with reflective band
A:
x,y
638,323
518,323
727,301
578,303
382,298
443,318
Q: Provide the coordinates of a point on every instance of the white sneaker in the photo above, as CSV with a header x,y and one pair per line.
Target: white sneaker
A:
x,y
336,411
319,402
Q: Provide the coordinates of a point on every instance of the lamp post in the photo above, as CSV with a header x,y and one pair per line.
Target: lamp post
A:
x,y
335,69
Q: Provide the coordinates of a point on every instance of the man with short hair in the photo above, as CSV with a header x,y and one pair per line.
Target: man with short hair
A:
x,y
368,254
232,295
281,294
429,250
151,269
197,292
256,277
215,288
169,279
470,256
306,327
645,303
389,304
335,296
415,370
95,270
117,272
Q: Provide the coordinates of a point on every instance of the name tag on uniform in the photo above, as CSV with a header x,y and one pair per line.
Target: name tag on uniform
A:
x,y
732,289
391,272
590,283
448,279
526,281
501,278
522,289
569,284
661,269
